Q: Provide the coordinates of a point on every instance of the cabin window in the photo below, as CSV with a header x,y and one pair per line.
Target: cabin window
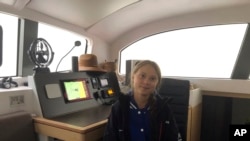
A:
x,y
61,42
9,25
195,52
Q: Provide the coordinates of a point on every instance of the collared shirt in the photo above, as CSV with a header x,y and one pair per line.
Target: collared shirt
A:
x,y
138,122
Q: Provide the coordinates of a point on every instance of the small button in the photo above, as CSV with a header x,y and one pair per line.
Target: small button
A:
x,y
139,112
142,130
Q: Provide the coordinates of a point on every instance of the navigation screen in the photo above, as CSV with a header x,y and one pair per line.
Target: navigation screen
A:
x,y
75,90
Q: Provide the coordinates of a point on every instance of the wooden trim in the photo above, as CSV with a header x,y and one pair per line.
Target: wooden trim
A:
x,y
194,123
68,132
58,133
70,127
226,94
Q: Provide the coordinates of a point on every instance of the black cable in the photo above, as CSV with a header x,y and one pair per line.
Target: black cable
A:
x,y
64,57
77,43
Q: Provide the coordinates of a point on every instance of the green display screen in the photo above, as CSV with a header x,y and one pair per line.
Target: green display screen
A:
x,y
75,90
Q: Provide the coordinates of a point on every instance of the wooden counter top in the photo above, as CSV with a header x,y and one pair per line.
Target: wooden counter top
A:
x,y
87,125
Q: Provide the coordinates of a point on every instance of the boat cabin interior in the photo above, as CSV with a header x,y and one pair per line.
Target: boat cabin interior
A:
x,y
64,63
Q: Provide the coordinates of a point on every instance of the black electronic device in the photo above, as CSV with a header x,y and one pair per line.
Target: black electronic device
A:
x,y
74,64
75,90
106,86
8,83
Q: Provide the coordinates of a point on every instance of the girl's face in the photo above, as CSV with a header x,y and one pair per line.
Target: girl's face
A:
x,y
145,81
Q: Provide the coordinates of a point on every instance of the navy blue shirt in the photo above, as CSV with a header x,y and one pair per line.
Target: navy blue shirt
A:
x,y
138,122
126,121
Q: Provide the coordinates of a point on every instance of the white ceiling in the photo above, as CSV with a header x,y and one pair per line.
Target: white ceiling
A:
x,y
109,19
83,13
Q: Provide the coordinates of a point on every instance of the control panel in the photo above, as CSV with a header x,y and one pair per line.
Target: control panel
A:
x,y
63,93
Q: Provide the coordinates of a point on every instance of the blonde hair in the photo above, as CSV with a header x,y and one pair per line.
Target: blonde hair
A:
x,y
143,63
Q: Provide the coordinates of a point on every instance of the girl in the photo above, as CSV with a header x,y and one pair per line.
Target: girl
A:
x,y
142,115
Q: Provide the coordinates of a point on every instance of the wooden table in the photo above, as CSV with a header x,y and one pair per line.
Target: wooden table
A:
x,y
87,125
